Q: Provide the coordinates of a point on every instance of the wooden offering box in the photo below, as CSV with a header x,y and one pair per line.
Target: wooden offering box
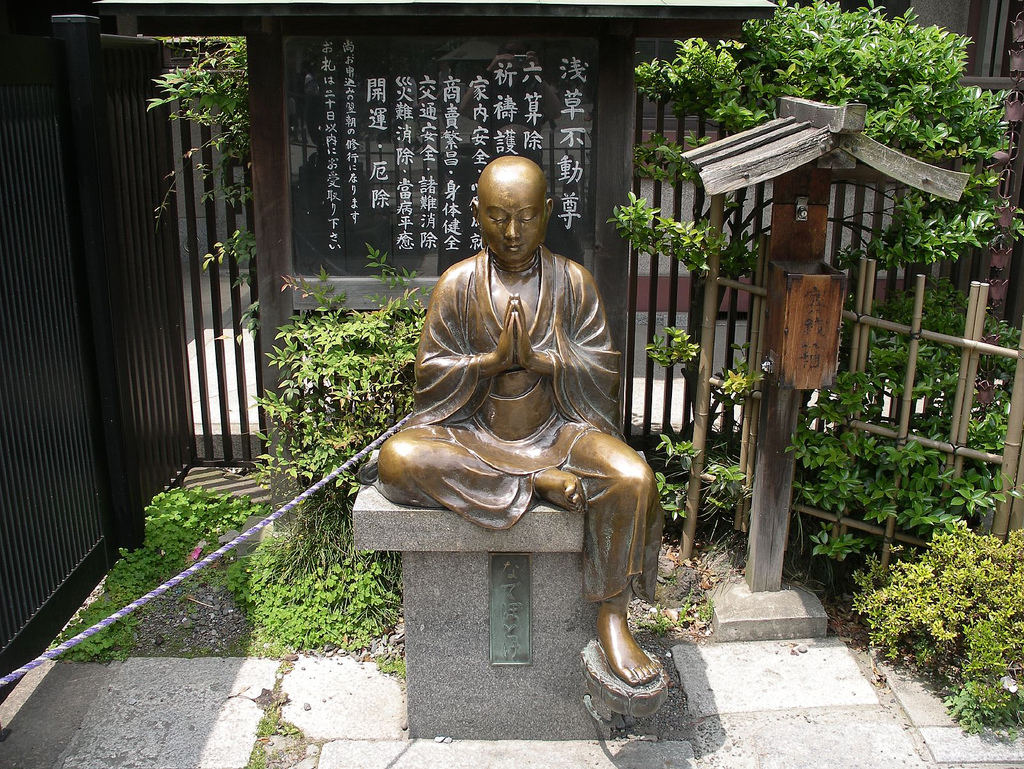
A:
x,y
806,300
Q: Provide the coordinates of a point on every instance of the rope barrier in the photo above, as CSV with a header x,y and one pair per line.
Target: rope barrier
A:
x,y
211,558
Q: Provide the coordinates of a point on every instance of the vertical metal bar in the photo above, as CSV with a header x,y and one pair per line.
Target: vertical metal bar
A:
x,y
254,297
652,295
188,193
673,305
241,381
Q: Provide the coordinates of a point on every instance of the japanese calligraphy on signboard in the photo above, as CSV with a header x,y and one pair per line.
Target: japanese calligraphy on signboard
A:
x,y
389,134
803,345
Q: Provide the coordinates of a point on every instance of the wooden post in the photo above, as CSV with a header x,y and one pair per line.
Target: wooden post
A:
x,y
614,167
773,487
799,224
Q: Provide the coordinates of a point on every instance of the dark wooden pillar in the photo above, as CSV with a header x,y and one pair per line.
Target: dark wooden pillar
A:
x,y
613,169
269,120
799,223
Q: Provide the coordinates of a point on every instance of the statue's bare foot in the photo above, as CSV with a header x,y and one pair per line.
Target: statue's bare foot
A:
x,y
560,488
626,659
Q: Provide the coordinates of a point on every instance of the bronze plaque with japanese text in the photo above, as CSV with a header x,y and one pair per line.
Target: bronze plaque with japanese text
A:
x,y
510,609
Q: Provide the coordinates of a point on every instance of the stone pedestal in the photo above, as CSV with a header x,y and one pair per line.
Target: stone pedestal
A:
x,y
741,615
452,688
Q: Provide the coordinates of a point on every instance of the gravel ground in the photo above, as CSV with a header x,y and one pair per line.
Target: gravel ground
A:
x,y
198,618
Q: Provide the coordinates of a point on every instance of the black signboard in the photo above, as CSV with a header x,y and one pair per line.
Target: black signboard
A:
x,y
389,134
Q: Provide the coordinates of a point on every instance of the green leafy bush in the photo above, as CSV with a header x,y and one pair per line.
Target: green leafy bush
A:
x,y
345,377
869,476
908,76
956,609
176,522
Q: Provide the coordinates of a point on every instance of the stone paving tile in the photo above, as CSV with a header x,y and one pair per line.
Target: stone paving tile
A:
x,y
508,754
46,709
338,698
162,713
951,745
832,741
770,675
923,706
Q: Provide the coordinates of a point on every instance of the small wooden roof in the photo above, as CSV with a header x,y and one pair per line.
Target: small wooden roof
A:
x,y
806,131
618,9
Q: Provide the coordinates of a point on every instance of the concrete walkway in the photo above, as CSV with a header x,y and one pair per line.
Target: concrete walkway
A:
x,y
755,705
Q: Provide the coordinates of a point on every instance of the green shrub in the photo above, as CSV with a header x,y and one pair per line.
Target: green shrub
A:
x,y
345,377
176,522
956,610
869,476
907,75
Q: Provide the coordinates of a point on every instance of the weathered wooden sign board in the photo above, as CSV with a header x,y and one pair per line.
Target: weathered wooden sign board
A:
x,y
387,136
805,311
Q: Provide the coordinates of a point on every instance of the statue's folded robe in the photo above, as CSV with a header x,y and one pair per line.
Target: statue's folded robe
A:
x,y
474,444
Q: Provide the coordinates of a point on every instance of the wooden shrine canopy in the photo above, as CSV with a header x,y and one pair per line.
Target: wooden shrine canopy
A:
x,y
654,18
804,132
631,9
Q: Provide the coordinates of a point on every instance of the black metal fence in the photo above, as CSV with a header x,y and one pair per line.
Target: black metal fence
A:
x,y
56,506
145,282
95,404
224,372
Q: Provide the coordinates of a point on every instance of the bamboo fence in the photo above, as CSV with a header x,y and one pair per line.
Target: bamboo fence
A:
x,y
1009,512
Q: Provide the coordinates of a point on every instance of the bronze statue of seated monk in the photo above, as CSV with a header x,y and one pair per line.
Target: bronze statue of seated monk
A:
x,y
517,388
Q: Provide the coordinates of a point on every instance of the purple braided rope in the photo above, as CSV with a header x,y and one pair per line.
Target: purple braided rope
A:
x,y
198,565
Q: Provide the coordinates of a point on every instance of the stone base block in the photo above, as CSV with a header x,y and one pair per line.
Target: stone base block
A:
x,y
454,691
741,615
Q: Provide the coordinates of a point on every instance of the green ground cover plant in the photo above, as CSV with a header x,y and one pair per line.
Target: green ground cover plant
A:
x,y
956,610
177,522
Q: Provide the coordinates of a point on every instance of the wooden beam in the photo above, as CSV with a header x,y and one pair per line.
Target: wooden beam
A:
x,y
903,168
845,118
773,489
767,162
701,157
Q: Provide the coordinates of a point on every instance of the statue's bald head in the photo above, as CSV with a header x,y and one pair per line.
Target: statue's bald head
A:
x,y
512,209
513,170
